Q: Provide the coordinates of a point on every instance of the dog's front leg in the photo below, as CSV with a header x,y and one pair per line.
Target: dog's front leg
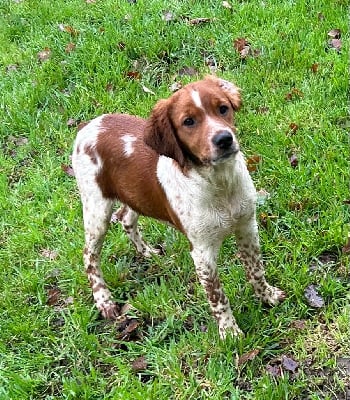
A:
x,y
249,251
205,263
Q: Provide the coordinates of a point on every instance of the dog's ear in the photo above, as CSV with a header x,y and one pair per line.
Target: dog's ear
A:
x,y
160,134
231,90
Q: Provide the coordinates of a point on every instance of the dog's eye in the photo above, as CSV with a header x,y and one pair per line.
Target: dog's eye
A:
x,y
223,109
188,121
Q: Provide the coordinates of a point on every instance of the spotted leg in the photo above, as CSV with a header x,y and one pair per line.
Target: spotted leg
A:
x,y
249,248
128,218
97,213
205,263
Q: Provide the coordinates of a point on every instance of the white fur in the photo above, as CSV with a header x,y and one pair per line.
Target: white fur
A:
x,y
196,99
208,200
128,144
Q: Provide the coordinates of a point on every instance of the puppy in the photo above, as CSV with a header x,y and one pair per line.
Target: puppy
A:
x,y
183,166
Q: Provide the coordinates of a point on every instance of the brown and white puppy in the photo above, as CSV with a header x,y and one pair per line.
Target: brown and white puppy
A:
x,y
183,166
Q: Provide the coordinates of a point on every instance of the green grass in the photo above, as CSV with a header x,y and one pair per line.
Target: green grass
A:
x,y
61,349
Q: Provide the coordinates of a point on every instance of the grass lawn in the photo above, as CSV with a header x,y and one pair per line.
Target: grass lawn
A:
x,y
62,62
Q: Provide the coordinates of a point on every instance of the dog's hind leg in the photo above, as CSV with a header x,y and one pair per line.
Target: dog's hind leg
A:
x,y
128,218
97,214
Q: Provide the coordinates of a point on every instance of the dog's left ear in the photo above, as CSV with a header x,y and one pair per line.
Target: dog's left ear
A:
x,y
160,134
231,90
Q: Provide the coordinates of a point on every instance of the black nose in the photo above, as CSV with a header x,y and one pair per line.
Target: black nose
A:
x,y
223,140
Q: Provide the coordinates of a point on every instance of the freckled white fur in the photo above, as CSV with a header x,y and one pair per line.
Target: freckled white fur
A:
x,y
216,197
85,170
128,144
196,99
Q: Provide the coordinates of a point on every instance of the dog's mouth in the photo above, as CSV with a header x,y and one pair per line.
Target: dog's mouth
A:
x,y
225,156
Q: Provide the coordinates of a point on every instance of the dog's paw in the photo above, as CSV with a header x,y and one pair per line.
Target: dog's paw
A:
x,y
226,331
109,310
273,295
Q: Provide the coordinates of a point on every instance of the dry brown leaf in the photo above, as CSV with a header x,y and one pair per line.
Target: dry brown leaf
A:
x,y
188,71
314,67
133,75
335,44
72,122
44,55
53,296
253,162
174,87
294,94
293,127
334,33
299,324
50,254
250,355
312,297
293,160
240,43
167,16
289,364
67,169
197,21
70,47
140,364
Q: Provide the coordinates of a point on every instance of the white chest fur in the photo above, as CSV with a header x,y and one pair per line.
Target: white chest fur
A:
x,y
210,201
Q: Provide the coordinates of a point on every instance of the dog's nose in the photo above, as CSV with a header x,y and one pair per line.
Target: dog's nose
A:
x,y
223,140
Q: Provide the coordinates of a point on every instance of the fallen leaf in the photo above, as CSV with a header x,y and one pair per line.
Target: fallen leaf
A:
x,y
109,87
240,43
174,87
289,364
293,160
334,33
67,169
69,29
146,90
50,254
262,110
140,364
274,370
250,355
167,16
72,122
335,44
128,327
69,48
188,71
294,94
262,196
299,324
292,128
226,4
197,21
90,1
133,75
11,68
121,46
320,16
53,296
19,141
312,297
314,67
44,55
253,162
